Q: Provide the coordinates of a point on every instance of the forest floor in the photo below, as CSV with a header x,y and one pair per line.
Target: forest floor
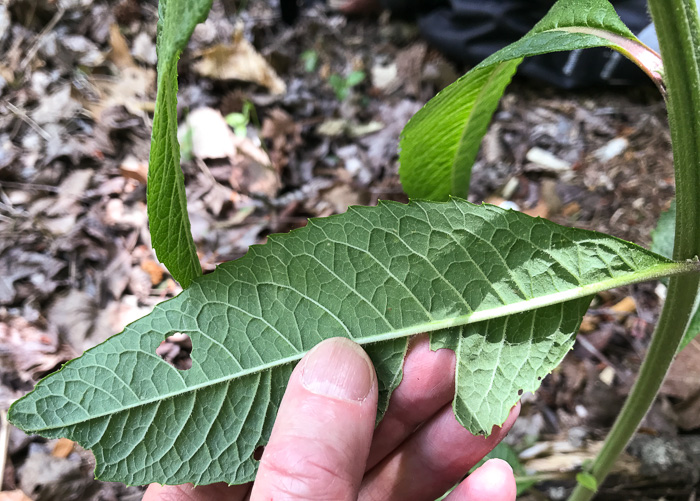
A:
x,y
317,109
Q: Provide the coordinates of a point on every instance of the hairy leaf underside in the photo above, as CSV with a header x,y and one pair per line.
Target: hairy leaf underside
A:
x,y
503,290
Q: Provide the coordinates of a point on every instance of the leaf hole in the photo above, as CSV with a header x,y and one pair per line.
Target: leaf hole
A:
x,y
520,392
258,453
176,350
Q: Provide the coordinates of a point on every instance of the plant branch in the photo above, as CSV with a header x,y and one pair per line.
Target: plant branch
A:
x,y
677,27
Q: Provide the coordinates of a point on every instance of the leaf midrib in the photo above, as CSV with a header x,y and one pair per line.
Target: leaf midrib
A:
x,y
650,273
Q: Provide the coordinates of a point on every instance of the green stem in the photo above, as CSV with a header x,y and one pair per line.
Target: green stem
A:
x,y
677,27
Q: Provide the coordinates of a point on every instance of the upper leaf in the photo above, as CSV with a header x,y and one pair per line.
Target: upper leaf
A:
x,y
167,206
505,290
440,143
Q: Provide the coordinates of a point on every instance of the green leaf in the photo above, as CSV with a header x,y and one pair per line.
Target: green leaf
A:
x,y
505,290
310,58
440,143
339,86
662,243
167,206
588,481
355,78
664,234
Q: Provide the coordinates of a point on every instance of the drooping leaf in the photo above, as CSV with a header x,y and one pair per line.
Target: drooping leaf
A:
x,y
662,243
505,290
167,206
440,143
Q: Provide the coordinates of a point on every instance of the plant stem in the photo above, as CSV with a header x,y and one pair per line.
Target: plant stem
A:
x,y
678,30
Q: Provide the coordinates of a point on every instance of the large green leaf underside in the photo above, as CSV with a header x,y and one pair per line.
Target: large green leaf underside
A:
x,y
504,290
167,206
440,143
501,358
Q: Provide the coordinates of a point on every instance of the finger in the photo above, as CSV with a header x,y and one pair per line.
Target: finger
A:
x,y
436,457
187,492
321,438
492,481
428,384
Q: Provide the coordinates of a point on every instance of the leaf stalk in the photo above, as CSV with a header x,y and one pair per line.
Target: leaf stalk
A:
x,y
678,30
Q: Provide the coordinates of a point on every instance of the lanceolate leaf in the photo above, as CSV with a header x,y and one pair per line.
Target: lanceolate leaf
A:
x,y
167,206
662,243
504,290
440,143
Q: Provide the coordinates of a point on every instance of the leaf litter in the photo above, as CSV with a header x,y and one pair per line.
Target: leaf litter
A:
x,y
77,92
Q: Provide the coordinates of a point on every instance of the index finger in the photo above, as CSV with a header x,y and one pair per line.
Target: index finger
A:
x,y
188,492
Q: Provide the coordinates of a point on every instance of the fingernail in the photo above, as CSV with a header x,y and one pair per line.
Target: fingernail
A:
x,y
498,463
339,369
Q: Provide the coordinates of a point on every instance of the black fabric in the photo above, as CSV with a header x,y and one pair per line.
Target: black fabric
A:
x,y
469,31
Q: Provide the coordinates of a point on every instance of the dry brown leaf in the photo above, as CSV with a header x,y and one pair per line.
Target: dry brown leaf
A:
x,y
571,209
250,177
7,73
62,448
409,65
133,168
70,190
154,270
120,54
246,148
278,125
129,89
624,306
558,457
589,323
539,210
342,196
285,135
239,61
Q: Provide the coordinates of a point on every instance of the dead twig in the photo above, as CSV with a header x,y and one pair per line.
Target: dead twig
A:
x,y
22,115
35,45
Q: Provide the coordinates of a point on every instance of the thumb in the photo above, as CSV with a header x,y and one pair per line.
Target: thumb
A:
x,y
321,438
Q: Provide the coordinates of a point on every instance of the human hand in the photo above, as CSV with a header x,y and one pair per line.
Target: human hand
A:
x,y
324,444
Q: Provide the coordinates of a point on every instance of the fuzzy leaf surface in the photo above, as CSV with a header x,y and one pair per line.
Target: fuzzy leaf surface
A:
x,y
504,290
167,205
440,143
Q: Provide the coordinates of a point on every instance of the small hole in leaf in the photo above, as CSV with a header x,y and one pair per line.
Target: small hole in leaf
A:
x,y
520,392
539,378
258,453
176,350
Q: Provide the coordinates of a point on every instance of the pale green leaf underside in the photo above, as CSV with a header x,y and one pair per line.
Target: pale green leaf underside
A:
x,y
505,290
167,206
440,143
